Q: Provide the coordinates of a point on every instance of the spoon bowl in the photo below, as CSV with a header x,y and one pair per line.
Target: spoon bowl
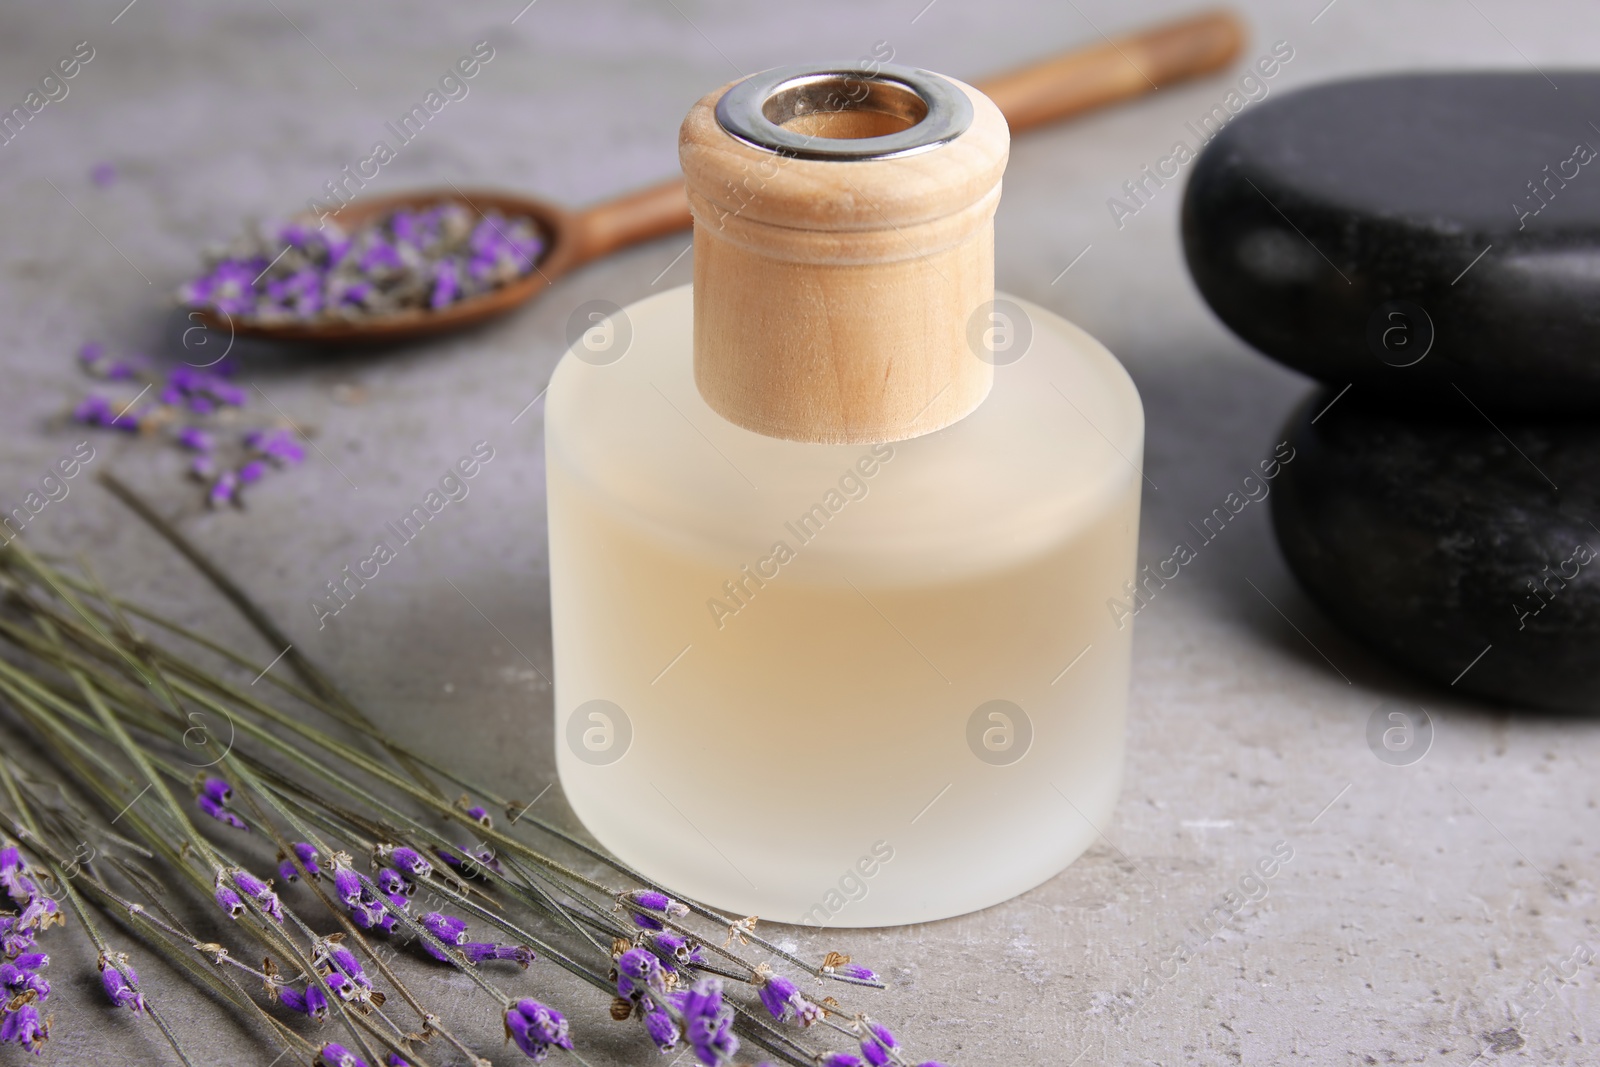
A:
x,y
556,226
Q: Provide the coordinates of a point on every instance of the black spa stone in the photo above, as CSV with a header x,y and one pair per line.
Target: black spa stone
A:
x,y
1423,235
1433,538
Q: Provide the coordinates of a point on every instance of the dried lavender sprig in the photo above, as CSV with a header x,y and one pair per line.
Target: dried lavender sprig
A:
x,y
82,913
177,816
590,882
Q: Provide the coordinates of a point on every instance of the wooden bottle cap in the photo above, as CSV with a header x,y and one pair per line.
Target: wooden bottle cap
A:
x,y
843,243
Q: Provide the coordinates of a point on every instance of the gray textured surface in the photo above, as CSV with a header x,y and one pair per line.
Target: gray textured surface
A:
x,y
1418,910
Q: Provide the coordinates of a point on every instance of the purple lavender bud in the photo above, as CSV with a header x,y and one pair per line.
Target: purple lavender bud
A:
x,y
342,987
653,900
338,1056
316,1002
394,1060
536,1028
252,471
662,1030
307,856
347,884
170,395
229,901
292,999
480,814
347,963
202,405
91,351
40,912
121,993
447,928
230,395
118,371
638,972
32,961
14,937
876,1046
197,440
219,813
25,1027
482,952
446,283
393,883
203,467
409,860
17,980
858,973
775,996
223,490
841,1059
95,410
216,789
103,174
249,884
708,1022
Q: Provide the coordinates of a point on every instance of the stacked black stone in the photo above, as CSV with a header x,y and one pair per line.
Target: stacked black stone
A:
x,y
1428,246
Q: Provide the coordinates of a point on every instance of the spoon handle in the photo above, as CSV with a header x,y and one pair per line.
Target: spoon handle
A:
x,y
1117,69
1051,89
639,216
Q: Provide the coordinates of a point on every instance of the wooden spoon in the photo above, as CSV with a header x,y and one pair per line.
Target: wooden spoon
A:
x,y
1043,92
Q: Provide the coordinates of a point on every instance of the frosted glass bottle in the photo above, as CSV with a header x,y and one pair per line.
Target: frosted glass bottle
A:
x,y
858,669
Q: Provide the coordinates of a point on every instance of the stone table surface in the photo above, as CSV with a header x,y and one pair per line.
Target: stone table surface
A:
x,y
1423,904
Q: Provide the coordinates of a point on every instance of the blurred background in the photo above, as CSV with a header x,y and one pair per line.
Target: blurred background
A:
x,y
1421,901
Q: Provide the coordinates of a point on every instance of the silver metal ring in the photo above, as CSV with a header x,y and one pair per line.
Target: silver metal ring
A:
x,y
918,110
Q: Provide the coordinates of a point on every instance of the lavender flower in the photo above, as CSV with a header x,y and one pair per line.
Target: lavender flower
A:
x,y
278,445
307,856
678,950
26,1028
196,439
858,973
877,1046
347,964
481,815
394,1060
219,813
638,973
536,1028
707,1022
14,937
662,1030
313,1002
17,981
259,891
120,985
447,928
840,1059
392,883
483,951
338,1056
228,288
408,860
224,490
654,901
346,882
228,900
40,913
